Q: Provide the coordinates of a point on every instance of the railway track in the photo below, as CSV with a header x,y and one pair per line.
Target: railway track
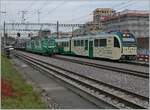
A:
x,y
135,63
105,95
115,69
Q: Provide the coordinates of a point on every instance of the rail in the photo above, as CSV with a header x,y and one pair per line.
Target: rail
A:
x,y
112,68
112,96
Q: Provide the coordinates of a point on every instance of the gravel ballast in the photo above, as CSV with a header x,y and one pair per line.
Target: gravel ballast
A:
x,y
132,83
108,63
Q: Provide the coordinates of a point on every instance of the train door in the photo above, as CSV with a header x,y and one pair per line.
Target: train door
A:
x,y
91,49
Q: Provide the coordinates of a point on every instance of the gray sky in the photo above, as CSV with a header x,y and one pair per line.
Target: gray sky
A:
x,y
64,11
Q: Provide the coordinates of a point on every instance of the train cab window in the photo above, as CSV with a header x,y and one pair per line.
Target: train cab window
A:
x,y
96,42
82,42
103,43
116,42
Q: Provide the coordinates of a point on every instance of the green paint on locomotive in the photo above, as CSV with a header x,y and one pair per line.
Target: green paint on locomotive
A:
x,y
43,45
61,50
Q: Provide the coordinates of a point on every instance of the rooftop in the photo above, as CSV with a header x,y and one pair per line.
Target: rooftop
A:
x,y
127,13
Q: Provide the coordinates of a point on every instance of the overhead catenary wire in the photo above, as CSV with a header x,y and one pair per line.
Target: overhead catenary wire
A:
x,y
127,5
86,15
81,18
55,8
44,4
30,5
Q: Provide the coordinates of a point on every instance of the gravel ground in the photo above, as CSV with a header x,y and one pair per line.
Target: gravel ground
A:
x,y
114,64
132,83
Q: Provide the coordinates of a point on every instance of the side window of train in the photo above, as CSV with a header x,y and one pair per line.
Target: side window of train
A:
x,y
60,43
74,42
96,42
78,42
103,43
37,42
116,42
82,42
67,44
64,44
86,44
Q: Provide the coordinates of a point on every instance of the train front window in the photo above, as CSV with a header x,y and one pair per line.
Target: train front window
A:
x,y
129,40
116,42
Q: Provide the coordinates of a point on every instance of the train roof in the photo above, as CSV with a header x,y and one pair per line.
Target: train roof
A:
x,y
91,36
62,39
84,37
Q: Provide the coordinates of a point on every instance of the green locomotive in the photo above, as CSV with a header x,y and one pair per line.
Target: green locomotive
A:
x,y
42,44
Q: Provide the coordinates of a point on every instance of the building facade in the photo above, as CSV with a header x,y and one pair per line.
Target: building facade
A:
x,y
101,13
137,22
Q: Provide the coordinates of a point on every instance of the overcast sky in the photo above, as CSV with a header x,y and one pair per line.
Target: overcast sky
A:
x,y
64,11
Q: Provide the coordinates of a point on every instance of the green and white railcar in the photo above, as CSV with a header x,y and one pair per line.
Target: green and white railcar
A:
x,y
111,46
64,45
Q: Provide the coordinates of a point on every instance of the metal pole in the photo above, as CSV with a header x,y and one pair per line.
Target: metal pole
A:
x,y
23,16
72,30
4,36
38,12
57,29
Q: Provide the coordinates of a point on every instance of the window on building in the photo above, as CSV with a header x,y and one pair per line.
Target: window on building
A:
x,y
103,42
96,42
